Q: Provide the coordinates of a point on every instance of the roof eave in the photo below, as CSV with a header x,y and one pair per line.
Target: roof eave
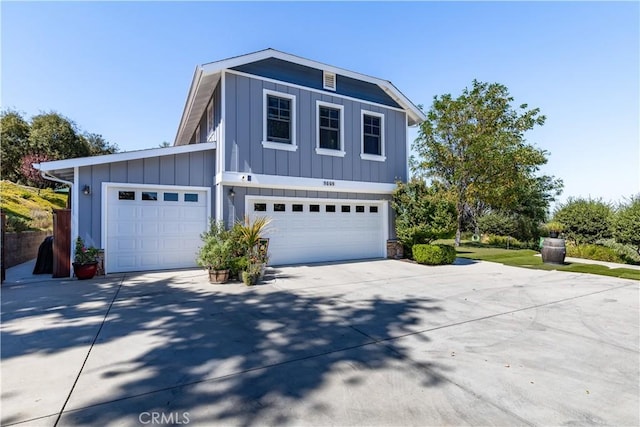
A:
x,y
122,157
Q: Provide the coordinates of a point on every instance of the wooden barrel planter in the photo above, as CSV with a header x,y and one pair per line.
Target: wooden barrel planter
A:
x,y
218,276
553,251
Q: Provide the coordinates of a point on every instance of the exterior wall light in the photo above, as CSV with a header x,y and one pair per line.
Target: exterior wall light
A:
x,y
86,190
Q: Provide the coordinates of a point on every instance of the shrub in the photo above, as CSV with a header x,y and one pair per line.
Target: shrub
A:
x,y
506,241
626,252
594,252
17,224
434,254
626,224
497,224
585,221
422,214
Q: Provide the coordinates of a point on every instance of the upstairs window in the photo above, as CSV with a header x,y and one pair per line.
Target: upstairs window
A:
x,y
372,136
196,136
279,121
330,130
210,117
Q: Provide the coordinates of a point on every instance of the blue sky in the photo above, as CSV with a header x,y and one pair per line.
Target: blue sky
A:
x,y
123,69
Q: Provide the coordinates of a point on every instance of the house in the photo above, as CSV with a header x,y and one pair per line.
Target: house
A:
x,y
315,147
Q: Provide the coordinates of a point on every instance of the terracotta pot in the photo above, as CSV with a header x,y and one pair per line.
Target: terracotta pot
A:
x,y
85,271
218,276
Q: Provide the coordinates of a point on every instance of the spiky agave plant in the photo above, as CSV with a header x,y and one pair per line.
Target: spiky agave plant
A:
x,y
252,231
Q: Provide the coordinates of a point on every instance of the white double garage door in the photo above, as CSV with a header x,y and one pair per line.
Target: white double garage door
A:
x,y
317,230
155,228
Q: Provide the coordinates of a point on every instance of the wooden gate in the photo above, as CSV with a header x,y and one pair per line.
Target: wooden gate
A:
x,y
61,242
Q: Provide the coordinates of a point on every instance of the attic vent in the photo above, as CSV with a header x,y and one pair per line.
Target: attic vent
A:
x,y
329,80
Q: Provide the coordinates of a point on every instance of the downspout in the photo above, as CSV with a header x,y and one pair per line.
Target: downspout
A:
x,y
74,203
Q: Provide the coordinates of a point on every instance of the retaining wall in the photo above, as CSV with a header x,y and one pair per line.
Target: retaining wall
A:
x,y
22,247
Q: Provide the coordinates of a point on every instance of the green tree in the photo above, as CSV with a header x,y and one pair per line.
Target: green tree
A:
x,y
56,137
423,214
626,224
474,146
585,220
46,135
98,145
14,136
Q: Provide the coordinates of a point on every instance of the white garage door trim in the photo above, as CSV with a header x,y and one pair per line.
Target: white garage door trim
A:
x,y
107,186
383,209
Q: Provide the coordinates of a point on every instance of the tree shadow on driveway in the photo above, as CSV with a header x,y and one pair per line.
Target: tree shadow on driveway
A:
x,y
225,354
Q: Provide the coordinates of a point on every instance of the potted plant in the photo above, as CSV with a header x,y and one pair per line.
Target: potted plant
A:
x,y
554,228
553,249
254,245
216,252
85,261
251,275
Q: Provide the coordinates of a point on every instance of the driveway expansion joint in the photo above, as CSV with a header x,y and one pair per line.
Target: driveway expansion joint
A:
x,y
84,362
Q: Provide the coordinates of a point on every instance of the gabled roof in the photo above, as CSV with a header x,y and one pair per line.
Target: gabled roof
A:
x,y
207,76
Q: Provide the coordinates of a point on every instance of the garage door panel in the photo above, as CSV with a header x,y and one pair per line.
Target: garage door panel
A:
x,y
150,228
153,234
170,213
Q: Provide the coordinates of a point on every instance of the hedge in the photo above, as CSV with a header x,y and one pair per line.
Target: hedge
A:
x,y
434,254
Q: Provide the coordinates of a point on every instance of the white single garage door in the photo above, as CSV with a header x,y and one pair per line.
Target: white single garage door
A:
x,y
153,228
317,230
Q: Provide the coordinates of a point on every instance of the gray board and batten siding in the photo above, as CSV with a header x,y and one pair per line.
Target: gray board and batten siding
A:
x,y
244,134
234,208
188,169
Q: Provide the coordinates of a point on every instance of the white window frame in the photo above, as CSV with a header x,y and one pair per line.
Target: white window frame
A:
x,y
327,151
293,146
366,156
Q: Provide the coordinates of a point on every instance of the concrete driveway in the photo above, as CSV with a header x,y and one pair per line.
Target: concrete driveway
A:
x,y
369,343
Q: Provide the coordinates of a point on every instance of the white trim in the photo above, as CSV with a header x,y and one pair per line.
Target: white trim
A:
x,y
188,104
375,157
241,179
279,146
385,218
123,157
327,151
292,119
407,148
310,89
75,221
197,135
220,152
105,190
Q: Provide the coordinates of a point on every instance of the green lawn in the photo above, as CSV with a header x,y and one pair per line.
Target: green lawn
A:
x,y
527,258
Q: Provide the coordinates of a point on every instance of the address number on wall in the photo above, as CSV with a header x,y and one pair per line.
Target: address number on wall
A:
x,y
329,183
